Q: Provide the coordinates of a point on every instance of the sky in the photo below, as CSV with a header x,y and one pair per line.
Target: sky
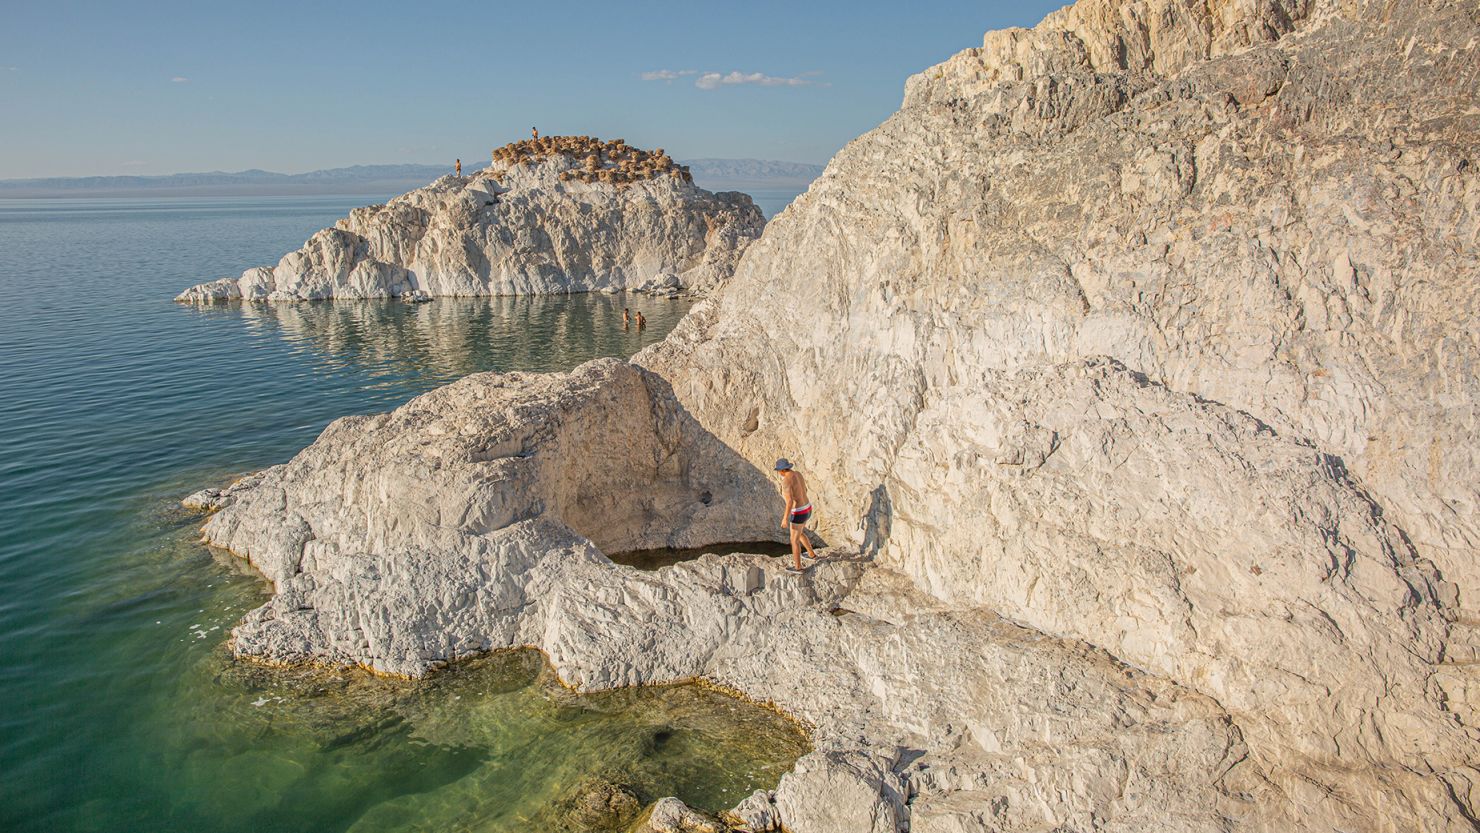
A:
x,y
164,87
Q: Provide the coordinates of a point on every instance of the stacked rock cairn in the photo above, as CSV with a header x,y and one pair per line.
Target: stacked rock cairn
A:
x,y
614,161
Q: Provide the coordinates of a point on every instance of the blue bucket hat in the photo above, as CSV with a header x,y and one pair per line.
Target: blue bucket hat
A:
x,y
783,464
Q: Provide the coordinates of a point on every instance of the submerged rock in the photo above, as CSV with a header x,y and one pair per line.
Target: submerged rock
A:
x,y
598,805
525,225
210,499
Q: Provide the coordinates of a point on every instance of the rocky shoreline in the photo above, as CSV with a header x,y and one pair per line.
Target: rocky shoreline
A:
x,y
845,648
1132,366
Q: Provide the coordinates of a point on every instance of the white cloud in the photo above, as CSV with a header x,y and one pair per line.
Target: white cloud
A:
x,y
668,74
715,80
180,79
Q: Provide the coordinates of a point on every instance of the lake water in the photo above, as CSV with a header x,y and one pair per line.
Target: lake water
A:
x,y
119,708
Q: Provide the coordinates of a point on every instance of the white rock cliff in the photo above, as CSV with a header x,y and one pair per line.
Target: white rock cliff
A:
x,y
524,226
1133,368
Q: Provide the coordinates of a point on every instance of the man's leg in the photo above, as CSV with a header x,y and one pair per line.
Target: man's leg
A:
x,y
796,550
801,532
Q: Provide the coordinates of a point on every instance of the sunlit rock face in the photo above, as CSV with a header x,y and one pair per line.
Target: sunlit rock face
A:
x,y
1132,368
552,218
1154,327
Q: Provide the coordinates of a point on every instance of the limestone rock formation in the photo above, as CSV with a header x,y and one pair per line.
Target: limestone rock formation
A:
x,y
1133,368
1286,226
447,504
449,527
557,215
1155,327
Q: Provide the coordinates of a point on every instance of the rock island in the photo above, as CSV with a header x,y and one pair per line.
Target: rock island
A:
x,y
551,215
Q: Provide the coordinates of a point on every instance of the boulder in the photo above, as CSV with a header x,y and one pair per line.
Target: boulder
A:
x,y
835,791
754,814
670,815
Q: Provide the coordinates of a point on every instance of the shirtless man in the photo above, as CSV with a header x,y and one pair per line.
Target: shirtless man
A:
x,y
798,512
641,321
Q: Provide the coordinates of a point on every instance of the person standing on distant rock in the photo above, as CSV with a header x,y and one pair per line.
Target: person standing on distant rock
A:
x,y
459,167
798,512
534,133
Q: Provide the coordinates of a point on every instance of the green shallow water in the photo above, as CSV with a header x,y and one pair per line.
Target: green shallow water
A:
x,y
192,740
119,709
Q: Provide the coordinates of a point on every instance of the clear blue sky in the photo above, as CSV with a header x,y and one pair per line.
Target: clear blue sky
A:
x,y
163,87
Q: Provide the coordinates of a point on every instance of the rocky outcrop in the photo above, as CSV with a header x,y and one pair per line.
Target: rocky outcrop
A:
x,y
1285,229
1153,327
562,216
450,527
443,508
1132,365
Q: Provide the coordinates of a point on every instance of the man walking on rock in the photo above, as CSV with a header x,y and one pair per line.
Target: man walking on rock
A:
x,y
798,512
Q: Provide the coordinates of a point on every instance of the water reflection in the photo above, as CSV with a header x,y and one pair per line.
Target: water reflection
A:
x,y
451,337
118,709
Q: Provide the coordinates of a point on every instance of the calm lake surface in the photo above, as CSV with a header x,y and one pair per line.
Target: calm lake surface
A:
x,y
119,708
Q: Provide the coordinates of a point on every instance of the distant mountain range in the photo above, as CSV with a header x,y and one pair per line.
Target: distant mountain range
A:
x,y
715,174
763,172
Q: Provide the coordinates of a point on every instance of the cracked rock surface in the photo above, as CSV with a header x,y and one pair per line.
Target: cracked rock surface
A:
x,y
1132,366
1154,327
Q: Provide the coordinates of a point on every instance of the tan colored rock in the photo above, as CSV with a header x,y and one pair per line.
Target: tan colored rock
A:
x,y
832,791
670,815
402,541
1133,372
1015,303
755,813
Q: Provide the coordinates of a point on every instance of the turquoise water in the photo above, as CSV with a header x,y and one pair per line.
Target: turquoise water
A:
x,y
119,709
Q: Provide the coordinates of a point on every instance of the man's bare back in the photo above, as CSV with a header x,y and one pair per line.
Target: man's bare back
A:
x,y
794,488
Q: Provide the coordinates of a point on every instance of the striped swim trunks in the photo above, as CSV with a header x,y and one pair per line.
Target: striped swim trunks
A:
x,y
801,514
